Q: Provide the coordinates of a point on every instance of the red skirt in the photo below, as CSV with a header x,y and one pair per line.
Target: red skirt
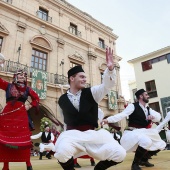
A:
x,y
15,142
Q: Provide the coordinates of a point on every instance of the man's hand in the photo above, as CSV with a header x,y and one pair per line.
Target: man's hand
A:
x,y
109,59
150,117
50,141
104,121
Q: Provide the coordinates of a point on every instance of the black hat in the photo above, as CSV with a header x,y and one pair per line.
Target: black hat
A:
x,y
46,126
139,92
75,70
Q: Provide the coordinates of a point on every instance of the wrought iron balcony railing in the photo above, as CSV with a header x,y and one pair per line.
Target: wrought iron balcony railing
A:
x,y
44,16
102,45
12,67
74,31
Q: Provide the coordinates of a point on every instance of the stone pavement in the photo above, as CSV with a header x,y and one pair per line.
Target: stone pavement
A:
x,y
162,162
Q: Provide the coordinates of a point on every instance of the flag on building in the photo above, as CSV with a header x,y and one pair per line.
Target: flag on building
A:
x,y
39,82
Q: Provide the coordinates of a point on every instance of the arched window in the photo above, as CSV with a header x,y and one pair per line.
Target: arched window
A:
x,y
40,50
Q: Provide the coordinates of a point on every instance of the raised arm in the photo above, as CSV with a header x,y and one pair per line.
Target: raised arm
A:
x,y
3,84
109,78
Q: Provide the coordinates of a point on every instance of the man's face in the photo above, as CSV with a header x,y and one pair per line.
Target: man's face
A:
x,y
79,80
145,97
21,77
47,129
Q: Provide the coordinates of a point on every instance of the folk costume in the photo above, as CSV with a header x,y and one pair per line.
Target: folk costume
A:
x,y
146,142
46,145
80,113
15,142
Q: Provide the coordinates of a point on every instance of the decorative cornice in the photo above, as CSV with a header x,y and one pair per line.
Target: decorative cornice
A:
x,y
42,30
77,58
42,42
21,26
3,30
61,42
92,55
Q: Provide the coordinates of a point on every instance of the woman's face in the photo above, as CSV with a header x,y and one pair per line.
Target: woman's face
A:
x,y
21,77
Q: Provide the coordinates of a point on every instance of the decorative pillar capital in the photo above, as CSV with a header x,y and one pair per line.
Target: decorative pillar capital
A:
x,y
92,55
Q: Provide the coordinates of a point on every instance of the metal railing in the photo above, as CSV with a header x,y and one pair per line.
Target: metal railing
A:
x,y
102,45
12,67
44,16
74,31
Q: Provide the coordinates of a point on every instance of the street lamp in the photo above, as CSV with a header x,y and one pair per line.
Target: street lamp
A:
x,y
62,64
19,49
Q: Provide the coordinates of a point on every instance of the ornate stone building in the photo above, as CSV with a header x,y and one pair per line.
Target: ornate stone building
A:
x,y
53,36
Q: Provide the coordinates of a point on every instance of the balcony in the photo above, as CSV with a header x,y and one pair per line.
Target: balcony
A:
x,y
74,31
43,16
11,67
102,45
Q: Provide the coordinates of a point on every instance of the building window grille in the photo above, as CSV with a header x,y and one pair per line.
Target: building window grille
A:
x,y
151,88
101,43
73,29
39,60
43,14
147,65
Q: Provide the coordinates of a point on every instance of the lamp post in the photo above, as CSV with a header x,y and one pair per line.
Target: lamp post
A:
x,y
19,49
62,64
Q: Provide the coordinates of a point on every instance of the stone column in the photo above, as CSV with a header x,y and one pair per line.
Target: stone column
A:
x,y
60,54
92,66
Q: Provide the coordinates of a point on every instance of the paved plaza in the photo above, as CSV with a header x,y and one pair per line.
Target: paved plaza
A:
x,y
161,161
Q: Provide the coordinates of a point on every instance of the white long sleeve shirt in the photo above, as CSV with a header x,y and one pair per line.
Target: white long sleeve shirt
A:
x,y
129,110
40,134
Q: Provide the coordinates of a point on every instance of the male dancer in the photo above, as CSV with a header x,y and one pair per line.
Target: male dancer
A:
x,y
80,111
147,141
47,141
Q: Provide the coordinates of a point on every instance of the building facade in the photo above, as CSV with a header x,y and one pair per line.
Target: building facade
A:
x,y
53,36
150,72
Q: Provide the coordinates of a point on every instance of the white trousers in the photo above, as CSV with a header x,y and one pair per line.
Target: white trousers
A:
x,y
48,147
148,139
97,144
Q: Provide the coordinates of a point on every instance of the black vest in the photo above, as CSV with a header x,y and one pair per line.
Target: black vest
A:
x,y
88,110
137,118
44,138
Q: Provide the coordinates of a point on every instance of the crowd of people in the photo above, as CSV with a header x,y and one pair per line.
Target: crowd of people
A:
x,y
81,114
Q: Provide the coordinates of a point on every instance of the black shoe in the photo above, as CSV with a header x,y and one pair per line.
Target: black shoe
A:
x,y
40,158
77,165
93,163
135,167
48,156
29,168
147,164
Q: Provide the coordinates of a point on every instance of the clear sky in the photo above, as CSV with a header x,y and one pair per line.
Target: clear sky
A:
x,y
143,26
